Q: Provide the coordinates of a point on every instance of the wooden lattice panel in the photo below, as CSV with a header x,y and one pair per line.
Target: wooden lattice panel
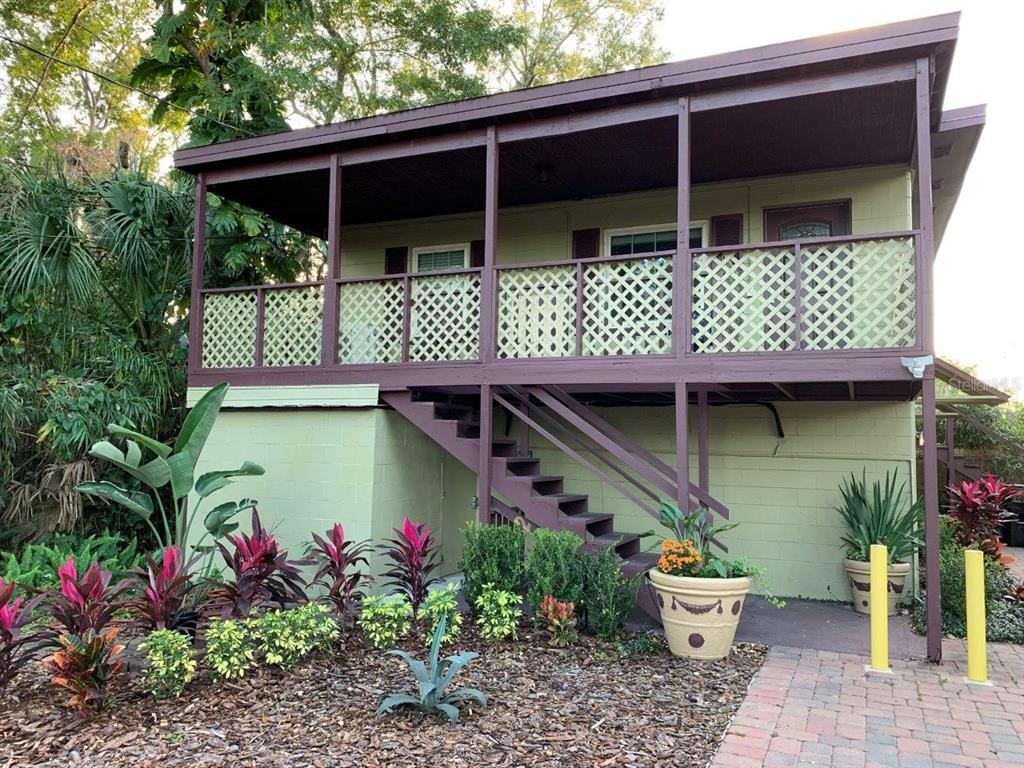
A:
x,y
229,330
743,300
537,312
293,321
370,328
627,307
859,295
445,322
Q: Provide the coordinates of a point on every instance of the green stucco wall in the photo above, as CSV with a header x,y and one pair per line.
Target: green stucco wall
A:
x,y
780,490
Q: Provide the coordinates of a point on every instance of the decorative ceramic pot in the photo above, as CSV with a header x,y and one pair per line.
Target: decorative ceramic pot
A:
x,y
858,573
699,615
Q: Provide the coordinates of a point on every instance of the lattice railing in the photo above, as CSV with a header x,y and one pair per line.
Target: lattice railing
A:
x,y
293,326
859,295
370,321
627,307
743,300
537,312
229,329
445,317
853,294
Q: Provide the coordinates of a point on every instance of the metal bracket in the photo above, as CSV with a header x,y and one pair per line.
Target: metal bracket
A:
x,y
916,365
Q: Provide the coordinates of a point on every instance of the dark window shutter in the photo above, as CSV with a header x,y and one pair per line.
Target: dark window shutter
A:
x,y
585,243
727,229
396,260
476,253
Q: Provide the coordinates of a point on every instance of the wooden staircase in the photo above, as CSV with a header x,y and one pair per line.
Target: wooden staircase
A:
x,y
522,489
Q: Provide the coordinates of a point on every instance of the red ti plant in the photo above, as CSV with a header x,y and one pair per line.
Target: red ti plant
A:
x,y
338,559
560,621
85,603
166,587
415,553
261,572
976,509
16,648
85,664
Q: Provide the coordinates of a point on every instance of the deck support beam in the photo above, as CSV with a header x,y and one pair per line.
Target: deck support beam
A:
x,y
682,448
930,480
683,280
950,449
486,447
488,287
329,343
195,319
703,472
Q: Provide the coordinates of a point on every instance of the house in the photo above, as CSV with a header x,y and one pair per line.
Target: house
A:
x,y
542,298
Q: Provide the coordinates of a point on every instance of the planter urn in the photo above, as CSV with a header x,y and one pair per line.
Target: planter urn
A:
x,y
699,615
858,574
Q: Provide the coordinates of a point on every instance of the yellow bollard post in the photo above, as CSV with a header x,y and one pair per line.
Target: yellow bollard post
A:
x,y
879,608
974,578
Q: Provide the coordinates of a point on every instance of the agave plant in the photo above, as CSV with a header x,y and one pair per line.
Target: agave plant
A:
x,y
432,680
882,516
261,572
166,586
17,648
415,553
338,570
87,602
173,466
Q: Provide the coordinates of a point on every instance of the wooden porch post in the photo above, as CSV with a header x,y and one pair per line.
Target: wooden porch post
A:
x,y
703,473
682,282
923,207
950,450
195,324
486,438
488,297
931,519
329,342
682,449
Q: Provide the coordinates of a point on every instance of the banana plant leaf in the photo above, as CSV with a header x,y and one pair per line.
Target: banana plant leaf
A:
x,y
214,481
191,440
161,450
139,503
218,521
155,473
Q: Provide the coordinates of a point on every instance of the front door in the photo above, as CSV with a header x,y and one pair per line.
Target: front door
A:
x,y
807,221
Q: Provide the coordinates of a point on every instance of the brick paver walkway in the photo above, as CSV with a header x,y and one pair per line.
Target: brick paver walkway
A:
x,y
819,708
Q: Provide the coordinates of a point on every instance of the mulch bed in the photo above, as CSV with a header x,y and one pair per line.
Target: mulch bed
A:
x,y
586,706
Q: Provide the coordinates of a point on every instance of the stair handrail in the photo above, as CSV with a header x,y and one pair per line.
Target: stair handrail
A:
x,y
982,427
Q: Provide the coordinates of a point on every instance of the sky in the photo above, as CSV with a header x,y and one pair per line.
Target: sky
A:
x,y
979,272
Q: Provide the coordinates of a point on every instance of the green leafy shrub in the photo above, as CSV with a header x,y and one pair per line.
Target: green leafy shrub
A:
x,y
492,554
432,681
554,568
385,619
230,650
170,665
608,596
498,613
37,566
283,638
442,603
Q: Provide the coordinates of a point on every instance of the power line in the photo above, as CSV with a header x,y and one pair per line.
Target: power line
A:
x,y
128,86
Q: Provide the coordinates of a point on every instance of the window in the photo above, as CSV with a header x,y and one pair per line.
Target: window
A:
x,y
802,230
436,258
651,239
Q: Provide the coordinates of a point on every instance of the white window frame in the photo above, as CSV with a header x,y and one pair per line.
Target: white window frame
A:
x,y
610,233
414,255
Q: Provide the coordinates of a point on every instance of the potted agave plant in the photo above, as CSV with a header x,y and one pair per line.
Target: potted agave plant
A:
x,y
886,516
700,594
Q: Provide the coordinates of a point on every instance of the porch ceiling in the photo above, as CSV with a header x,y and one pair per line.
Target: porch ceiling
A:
x,y
865,126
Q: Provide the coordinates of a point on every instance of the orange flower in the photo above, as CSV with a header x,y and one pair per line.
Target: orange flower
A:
x,y
679,558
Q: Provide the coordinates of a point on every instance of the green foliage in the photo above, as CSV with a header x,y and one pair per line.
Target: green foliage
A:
x,y
385,619
694,527
38,563
285,637
432,681
230,650
442,604
170,664
608,596
554,568
494,555
84,665
498,612
641,644
881,516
